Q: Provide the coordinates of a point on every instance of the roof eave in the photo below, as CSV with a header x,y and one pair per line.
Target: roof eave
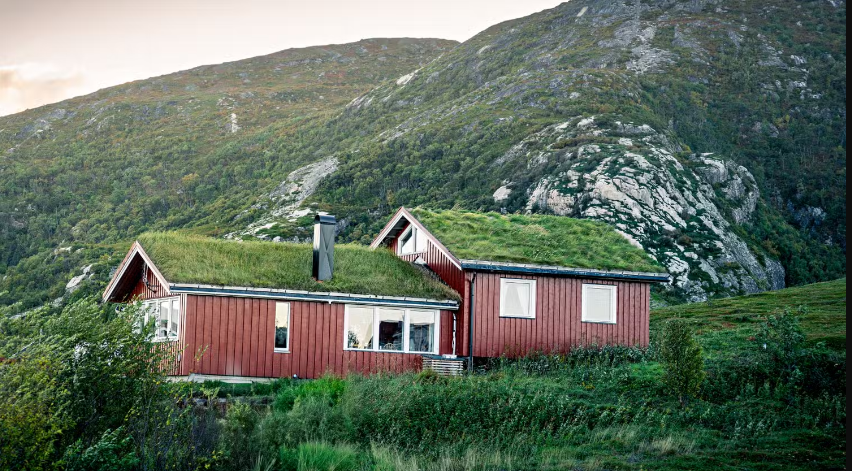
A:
x,y
299,295
532,269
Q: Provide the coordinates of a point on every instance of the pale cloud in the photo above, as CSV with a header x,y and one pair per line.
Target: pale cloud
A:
x,y
30,85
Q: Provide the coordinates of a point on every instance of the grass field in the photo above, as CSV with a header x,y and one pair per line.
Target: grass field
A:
x,y
726,325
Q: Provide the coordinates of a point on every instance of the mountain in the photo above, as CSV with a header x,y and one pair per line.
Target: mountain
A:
x,y
711,133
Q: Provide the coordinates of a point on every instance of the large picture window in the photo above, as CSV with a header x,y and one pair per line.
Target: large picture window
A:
x,y
517,298
165,312
282,327
395,330
599,303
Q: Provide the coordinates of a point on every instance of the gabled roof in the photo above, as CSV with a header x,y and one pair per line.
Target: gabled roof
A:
x,y
202,265
528,243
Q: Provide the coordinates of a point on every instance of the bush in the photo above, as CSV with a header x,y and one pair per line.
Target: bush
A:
x,y
782,339
73,375
329,388
113,452
682,359
236,439
315,418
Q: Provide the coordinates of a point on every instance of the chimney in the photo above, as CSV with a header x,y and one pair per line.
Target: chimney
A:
x,y
324,227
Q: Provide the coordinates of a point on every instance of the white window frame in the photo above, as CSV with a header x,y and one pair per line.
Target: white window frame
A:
x,y
289,327
405,330
613,292
153,304
533,287
419,241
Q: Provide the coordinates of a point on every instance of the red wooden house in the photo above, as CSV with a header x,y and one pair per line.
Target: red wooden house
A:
x,y
522,288
262,310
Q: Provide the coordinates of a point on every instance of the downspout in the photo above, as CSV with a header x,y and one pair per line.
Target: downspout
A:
x,y
454,333
470,325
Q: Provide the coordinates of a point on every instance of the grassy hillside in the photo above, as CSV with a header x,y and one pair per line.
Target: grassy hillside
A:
x,y
188,149
726,325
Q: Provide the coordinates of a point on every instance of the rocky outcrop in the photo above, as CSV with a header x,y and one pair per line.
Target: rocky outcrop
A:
x,y
677,208
283,204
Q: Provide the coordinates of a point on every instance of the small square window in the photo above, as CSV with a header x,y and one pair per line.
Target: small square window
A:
x,y
599,303
517,298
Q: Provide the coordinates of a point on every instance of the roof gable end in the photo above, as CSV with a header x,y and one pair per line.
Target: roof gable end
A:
x,y
136,251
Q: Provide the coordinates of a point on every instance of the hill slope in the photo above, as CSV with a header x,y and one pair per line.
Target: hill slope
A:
x,y
184,149
726,325
710,133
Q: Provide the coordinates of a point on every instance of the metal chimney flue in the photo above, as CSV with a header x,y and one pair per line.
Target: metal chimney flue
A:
x,y
324,228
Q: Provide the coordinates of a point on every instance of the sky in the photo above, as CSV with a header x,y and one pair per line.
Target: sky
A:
x,y
51,50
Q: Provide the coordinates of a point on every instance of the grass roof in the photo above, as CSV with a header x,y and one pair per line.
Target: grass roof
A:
x,y
185,258
536,239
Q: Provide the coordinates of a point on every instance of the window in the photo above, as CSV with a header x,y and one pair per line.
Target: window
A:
x,y
165,313
359,330
397,330
411,241
517,298
282,327
421,331
599,303
391,323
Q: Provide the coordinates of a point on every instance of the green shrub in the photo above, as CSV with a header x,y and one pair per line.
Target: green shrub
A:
x,y
782,339
237,435
315,418
75,375
682,359
113,452
329,388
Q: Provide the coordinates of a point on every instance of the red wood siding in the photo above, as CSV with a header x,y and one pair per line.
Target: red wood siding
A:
x,y
557,326
236,337
454,277
140,291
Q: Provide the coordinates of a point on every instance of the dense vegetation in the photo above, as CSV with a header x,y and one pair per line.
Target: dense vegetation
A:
x,y
762,83
539,239
164,153
772,398
184,258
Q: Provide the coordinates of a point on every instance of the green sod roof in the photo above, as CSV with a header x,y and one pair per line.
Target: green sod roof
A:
x,y
184,258
535,239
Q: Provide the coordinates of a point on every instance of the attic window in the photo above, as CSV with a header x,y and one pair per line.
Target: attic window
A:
x,y
599,303
517,298
166,314
411,241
